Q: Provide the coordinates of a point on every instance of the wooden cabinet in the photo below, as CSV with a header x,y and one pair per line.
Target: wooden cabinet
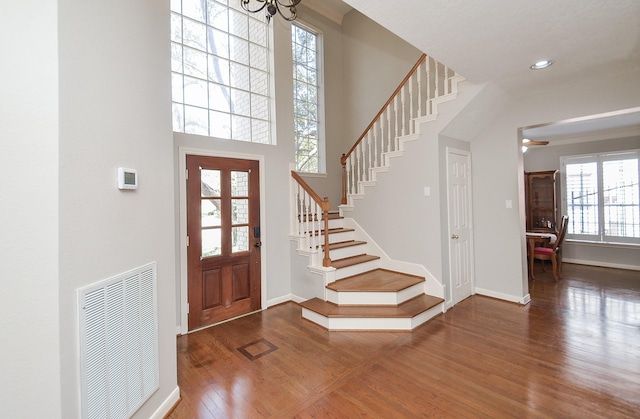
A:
x,y
541,208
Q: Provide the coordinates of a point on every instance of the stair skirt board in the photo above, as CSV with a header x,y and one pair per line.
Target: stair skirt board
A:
x,y
371,323
375,297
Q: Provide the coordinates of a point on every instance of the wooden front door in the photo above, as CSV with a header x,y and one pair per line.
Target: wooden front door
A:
x,y
223,225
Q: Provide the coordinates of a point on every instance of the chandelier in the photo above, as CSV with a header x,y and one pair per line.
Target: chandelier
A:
x,y
272,7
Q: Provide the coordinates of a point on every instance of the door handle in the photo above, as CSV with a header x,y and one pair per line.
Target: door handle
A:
x,y
258,244
455,236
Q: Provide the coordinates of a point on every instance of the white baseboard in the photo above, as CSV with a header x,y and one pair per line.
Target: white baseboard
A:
x,y
501,296
283,299
167,405
602,264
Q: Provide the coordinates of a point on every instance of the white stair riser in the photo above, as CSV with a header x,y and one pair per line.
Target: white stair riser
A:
x,y
334,223
357,269
338,237
346,252
375,298
371,323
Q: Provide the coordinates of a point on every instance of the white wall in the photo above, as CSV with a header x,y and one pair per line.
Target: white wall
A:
x,y
29,318
115,97
548,158
497,172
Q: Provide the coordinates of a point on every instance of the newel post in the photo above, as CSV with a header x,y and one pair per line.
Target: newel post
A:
x,y
343,162
326,206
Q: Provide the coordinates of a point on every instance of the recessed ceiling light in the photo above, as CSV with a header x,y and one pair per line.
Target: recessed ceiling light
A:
x,y
541,64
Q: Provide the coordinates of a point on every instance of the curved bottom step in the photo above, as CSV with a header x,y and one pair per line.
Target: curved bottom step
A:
x,y
406,316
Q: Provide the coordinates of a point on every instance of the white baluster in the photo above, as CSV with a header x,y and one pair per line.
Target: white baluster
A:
x,y
380,124
388,111
437,92
352,162
347,166
395,110
359,169
410,121
309,224
318,244
419,75
370,150
404,113
300,211
447,85
364,160
428,109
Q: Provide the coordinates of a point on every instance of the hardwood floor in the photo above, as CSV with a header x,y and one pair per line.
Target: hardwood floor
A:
x,y
574,351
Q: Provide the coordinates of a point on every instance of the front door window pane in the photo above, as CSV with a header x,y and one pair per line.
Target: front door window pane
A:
x,y
211,213
240,239
210,183
239,184
211,242
239,211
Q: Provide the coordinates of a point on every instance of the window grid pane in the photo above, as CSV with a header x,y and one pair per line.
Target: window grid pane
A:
x,y
620,193
582,198
220,68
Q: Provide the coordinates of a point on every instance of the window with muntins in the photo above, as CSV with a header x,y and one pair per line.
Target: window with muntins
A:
x,y
307,93
220,69
602,197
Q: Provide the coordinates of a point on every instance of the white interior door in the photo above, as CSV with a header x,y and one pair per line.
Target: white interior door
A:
x,y
460,225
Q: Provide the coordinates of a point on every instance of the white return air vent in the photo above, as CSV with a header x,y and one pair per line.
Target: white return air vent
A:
x,y
118,343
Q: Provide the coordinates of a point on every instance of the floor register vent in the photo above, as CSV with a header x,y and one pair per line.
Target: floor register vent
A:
x,y
118,343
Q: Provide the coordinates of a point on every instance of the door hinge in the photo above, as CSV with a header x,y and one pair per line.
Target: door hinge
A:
x,y
188,308
186,174
187,241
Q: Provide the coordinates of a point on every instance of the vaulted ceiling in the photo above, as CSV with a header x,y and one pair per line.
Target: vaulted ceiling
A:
x,y
498,40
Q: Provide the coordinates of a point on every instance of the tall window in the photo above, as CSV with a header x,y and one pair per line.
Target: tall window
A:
x,y
307,93
220,70
602,197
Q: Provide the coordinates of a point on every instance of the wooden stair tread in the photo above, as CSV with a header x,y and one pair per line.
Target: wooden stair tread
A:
x,y
377,280
341,245
408,309
353,260
333,231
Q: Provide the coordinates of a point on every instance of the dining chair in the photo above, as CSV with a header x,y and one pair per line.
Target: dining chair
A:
x,y
554,251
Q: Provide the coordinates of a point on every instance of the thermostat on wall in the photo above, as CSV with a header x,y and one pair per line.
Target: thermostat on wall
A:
x,y
127,178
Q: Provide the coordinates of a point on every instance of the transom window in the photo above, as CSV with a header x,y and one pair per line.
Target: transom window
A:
x,y
307,94
220,70
602,197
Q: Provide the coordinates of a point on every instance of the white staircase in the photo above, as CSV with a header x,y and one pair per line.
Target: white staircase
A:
x,y
363,288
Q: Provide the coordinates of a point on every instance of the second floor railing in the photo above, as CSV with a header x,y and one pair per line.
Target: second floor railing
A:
x,y
412,99
310,220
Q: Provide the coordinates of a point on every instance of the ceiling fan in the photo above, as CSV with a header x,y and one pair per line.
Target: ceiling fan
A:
x,y
526,143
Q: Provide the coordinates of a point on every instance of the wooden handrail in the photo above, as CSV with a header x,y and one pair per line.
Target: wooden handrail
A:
x,y
325,205
422,58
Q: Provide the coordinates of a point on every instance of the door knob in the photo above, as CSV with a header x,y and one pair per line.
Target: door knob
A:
x,y
455,236
258,244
